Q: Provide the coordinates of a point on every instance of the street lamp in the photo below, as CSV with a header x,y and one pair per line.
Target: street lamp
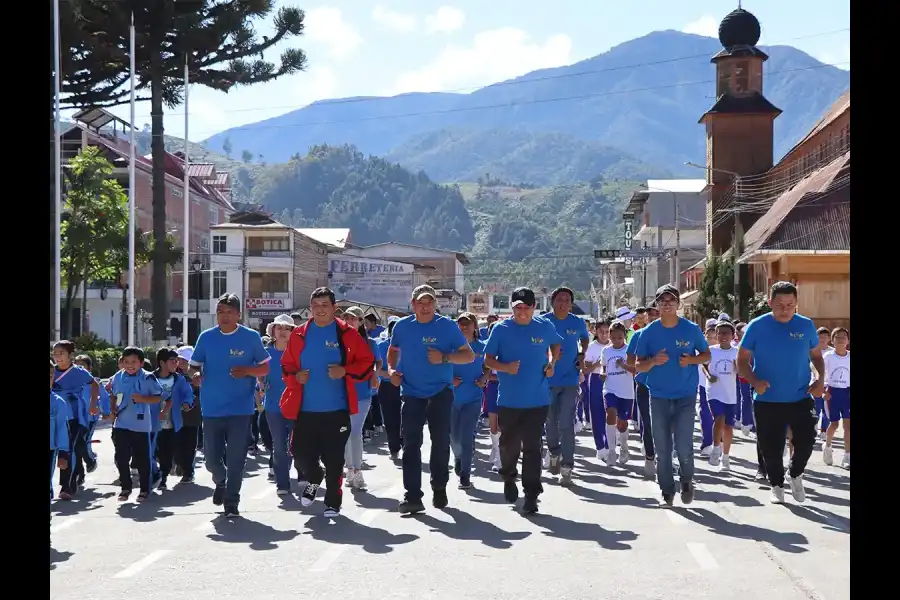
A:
x,y
196,267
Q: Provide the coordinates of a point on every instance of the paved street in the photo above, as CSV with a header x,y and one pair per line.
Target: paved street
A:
x,y
602,538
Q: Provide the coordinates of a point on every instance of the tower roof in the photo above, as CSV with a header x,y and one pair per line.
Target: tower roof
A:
x,y
739,28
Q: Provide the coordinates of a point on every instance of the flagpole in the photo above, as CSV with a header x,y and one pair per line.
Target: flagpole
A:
x,y
131,199
186,238
57,178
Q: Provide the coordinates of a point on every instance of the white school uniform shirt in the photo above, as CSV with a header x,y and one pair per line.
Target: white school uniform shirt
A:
x,y
592,355
722,367
618,381
837,369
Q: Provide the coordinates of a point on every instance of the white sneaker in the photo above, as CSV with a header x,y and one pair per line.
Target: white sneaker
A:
x,y
603,454
587,426
777,495
635,427
707,451
797,490
578,427
545,459
828,455
714,457
359,482
611,456
624,454
822,436
745,429
379,429
495,454
845,462
738,424
726,462
349,478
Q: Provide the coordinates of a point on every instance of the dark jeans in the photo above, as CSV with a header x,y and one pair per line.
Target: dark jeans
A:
x,y
186,449
165,451
132,447
642,397
225,440
415,413
374,417
68,477
521,431
389,399
319,438
772,421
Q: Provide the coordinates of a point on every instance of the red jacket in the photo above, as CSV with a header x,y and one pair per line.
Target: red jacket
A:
x,y
356,358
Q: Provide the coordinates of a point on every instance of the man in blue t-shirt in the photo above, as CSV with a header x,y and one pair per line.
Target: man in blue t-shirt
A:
x,y
564,383
523,351
669,350
227,359
781,344
429,345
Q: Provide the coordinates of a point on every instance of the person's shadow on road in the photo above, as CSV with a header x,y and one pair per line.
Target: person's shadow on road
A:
x,y
57,557
256,535
85,500
575,531
467,527
350,533
786,542
145,512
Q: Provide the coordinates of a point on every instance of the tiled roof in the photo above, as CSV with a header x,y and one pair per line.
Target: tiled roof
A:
x,y
202,170
753,104
220,180
812,215
837,109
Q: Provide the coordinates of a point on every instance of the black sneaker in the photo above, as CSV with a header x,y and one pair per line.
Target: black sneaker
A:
x,y
331,513
687,492
464,482
163,485
219,496
668,500
457,467
530,506
510,491
439,499
309,494
90,466
231,512
411,507
187,479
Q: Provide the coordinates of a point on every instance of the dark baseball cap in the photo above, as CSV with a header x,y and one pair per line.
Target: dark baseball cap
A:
x,y
424,290
667,289
522,295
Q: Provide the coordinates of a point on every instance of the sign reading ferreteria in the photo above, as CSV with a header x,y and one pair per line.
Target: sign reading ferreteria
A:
x,y
371,281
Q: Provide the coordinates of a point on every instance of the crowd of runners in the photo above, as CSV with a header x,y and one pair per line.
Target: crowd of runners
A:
x,y
313,392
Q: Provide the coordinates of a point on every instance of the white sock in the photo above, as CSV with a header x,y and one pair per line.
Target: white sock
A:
x,y
495,440
612,436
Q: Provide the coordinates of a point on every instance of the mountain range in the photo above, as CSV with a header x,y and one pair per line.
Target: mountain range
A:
x,y
631,111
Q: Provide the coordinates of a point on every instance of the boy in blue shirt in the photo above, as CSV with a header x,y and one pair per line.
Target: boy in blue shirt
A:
x,y
669,351
177,396
781,345
136,394
523,350
85,361
59,431
69,382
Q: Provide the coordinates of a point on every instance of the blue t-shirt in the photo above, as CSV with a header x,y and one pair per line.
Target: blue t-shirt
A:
x,y
274,382
131,415
321,393
781,355
467,391
59,416
376,332
69,384
381,350
529,344
632,349
572,330
364,389
218,353
671,380
421,379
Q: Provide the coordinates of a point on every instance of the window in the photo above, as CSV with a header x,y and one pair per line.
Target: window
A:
x,y
276,244
501,302
220,283
262,284
213,215
742,76
219,245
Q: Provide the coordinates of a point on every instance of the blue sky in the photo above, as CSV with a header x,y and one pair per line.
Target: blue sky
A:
x,y
372,47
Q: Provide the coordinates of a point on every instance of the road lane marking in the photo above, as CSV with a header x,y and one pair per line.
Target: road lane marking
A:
x,y
64,525
140,565
332,554
703,556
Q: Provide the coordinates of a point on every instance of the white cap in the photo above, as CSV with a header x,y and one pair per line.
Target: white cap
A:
x,y
284,320
711,323
624,313
185,352
724,317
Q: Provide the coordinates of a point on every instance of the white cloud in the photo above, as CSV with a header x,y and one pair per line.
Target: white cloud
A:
x,y
394,20
706,25
445,20
326,26
494,55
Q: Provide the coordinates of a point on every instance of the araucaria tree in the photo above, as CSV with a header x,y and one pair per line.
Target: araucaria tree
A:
x,y
218,40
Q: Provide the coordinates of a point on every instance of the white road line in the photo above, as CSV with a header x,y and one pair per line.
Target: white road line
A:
x,y
140,565
64,525
332,554
703,557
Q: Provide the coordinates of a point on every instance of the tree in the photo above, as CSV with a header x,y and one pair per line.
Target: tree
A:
x,y
246,156
707,299
226,147
222,49
724,286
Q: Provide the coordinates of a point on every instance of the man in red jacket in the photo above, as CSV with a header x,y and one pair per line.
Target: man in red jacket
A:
x,y
324,360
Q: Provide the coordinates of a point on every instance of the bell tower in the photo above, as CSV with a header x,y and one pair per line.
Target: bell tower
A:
x,y
739,125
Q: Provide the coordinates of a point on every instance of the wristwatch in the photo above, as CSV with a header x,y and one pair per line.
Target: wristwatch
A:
x,y
445,359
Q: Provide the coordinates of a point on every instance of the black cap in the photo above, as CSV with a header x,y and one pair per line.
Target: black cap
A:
x,y
667,289
522,295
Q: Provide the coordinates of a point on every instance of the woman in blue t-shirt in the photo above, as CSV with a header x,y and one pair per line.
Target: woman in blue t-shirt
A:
x,y
468,390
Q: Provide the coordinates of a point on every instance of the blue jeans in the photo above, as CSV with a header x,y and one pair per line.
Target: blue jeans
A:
x,y
281,459
561,423
353,452
667,416
225,441
414,414
463,420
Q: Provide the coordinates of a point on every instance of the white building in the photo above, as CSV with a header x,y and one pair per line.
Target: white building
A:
x,y
448,266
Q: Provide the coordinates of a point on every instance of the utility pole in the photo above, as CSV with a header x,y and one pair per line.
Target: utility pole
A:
x,y
673,263
737,244
644,260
